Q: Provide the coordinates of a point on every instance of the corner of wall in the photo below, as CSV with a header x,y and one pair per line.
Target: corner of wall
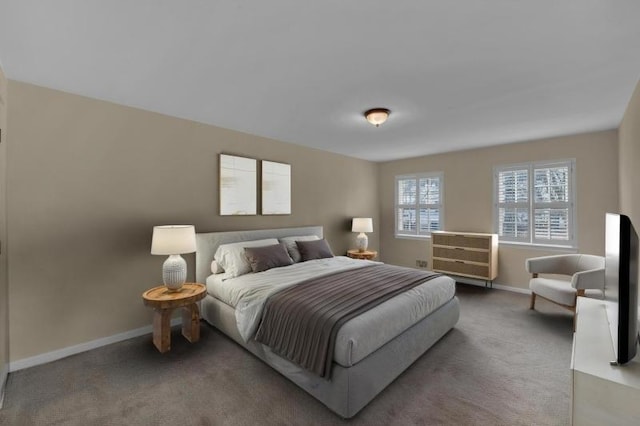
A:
x,y
4,277
628,158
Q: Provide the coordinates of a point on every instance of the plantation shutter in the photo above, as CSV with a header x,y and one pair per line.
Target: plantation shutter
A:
x,y
534,203
552,207
418,204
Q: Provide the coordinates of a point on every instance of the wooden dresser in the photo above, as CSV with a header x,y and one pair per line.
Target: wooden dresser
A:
x,y
465,254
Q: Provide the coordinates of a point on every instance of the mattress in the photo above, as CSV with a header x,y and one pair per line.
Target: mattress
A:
x,y
358,337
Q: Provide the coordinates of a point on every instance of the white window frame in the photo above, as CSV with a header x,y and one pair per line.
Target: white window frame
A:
x,y
531,205
417,206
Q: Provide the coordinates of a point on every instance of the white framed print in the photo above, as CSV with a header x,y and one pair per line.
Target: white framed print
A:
x,y
238,185
276,188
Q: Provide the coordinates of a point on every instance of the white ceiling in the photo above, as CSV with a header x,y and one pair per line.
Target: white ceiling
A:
x,y
456,74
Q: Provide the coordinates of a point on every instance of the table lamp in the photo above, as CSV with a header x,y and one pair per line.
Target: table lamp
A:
x,y
174,240
362,225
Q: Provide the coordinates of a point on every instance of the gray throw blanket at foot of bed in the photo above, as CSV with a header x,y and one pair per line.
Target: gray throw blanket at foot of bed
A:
x,y
301,322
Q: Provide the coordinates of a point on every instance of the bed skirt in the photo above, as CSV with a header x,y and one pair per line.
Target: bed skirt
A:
x,y
350,388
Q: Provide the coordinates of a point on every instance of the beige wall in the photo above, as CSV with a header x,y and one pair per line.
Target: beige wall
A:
x,y
629,153
468,195
89,179
4,299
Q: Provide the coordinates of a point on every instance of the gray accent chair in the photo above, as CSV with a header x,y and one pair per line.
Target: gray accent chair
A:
x,y
586,272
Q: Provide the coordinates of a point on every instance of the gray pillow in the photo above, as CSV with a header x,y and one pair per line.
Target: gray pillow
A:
x,y
310,250
267,257
292,248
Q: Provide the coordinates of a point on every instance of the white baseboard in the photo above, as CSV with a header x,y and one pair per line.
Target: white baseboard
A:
x,y
82,347
513,289
479,283
87,346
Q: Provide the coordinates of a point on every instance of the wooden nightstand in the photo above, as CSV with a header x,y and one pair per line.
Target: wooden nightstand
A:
x,y
367,254
164,302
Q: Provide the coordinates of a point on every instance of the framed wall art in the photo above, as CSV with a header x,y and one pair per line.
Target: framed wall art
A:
x,y
276,188
238,185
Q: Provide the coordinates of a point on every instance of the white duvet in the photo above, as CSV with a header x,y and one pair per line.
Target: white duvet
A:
x,y
248,293
359,336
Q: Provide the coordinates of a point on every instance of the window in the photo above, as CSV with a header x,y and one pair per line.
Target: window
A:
x,y
534,203
418,204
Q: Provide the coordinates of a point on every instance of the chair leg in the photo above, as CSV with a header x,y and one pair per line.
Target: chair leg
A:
x,y
533,301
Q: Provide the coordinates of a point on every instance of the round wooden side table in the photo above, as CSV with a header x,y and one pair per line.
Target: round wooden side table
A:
x,y
367,254
164,302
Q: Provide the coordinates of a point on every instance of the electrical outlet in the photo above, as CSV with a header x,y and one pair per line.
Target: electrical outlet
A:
x,y
421,263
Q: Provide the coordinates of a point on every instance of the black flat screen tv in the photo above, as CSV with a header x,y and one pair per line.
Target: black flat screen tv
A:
x,y
621,285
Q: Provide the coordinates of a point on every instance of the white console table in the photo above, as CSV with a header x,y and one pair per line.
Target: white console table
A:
x,y
601,394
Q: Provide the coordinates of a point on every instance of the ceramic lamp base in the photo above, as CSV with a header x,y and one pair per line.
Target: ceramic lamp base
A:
x,y
174,272
362,241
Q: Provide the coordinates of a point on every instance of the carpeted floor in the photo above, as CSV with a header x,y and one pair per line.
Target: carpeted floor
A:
x,y
502,365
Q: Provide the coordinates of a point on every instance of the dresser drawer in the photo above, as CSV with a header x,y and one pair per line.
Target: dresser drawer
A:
x,y
460,268
461,254
454,240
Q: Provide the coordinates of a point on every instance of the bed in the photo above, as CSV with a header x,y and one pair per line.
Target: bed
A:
x,y
371,349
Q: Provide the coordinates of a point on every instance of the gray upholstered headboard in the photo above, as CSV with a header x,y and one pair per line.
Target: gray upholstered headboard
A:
x,y
207,243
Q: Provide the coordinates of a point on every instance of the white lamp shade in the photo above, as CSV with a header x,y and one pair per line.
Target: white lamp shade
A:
x,y
362,224
173,239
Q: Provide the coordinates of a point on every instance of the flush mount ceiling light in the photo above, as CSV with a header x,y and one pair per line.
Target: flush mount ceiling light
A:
x,y
377,116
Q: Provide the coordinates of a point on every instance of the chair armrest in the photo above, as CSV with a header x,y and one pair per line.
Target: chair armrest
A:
x,y
592,279
558,264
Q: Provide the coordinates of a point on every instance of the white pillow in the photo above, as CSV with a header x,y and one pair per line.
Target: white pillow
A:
x,y
216,268
232,259
292,248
